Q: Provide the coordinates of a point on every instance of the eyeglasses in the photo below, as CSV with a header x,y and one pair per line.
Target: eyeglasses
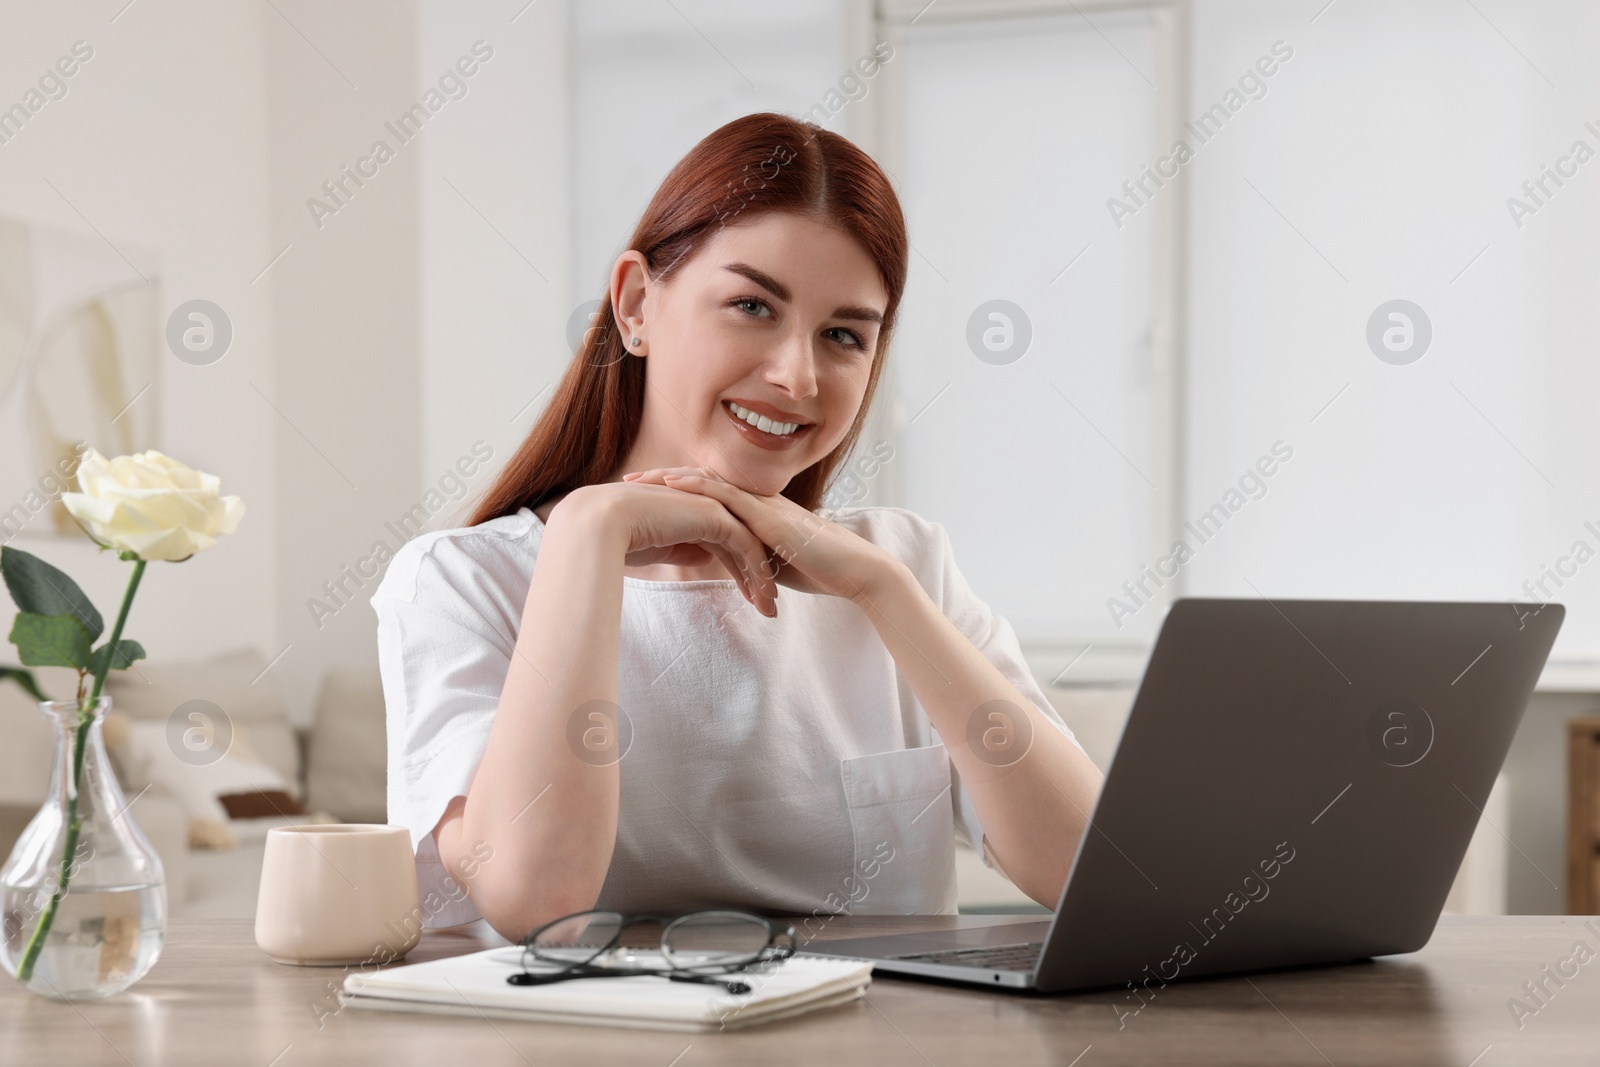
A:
x,y
695,946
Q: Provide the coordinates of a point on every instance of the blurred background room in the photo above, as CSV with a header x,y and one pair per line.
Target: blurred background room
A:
x,y
1308,286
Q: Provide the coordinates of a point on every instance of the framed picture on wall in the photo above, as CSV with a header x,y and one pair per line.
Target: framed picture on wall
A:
x,y
80,334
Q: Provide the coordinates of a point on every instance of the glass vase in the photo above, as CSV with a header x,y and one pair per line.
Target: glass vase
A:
x,y
82,895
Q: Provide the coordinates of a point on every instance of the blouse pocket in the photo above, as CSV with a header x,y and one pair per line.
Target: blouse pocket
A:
x,y
904,834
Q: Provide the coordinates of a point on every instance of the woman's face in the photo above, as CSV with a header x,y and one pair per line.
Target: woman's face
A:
x,y
776,319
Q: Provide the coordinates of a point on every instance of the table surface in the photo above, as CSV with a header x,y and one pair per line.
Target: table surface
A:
x,y
214,997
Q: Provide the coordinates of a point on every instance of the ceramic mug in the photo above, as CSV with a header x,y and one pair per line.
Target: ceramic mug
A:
x,y
340,893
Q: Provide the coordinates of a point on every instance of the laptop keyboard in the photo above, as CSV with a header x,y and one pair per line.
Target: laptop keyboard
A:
x,y
1020,957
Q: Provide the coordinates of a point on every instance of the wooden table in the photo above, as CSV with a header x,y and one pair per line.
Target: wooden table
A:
x,y
214,998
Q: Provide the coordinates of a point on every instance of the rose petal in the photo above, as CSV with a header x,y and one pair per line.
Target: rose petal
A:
x,y
151,505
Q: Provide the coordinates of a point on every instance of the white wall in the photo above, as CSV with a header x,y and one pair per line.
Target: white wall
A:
x,y
161,141
419,321
495,229
345,300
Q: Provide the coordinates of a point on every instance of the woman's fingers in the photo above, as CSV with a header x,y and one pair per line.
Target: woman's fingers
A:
x,y
735,566
654,474
725,532
731,565
749,556
740,552
754,513
784,526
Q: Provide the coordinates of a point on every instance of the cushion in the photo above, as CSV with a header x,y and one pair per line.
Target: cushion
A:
x,y
259,804
348,758
206,790
234,682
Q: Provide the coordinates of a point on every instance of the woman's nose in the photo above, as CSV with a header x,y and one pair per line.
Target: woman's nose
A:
x,y
794,369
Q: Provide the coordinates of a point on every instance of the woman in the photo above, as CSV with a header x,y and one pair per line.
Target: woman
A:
x,y
581,712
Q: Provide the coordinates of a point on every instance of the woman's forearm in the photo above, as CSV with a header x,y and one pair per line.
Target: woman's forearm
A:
x,y
1034,810
549,809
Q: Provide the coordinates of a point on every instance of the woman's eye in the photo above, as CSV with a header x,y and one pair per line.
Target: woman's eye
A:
x,y
739,302
854,338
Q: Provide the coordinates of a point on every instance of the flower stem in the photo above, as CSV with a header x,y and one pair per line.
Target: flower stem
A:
x,y
69,845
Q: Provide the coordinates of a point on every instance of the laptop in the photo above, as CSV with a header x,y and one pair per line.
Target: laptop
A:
x,y
1296,784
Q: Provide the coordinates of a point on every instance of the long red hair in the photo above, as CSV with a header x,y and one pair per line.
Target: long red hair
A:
x,y
754,164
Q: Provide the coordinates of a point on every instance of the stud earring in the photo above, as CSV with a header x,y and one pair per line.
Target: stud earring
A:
x,y
635,342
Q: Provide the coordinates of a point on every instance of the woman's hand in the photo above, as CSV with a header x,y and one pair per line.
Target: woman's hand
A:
x,y
809,553
666,526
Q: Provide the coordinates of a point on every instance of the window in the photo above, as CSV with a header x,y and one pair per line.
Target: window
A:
x,y
1030,371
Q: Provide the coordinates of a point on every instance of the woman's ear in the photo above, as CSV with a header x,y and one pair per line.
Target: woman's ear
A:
x,y
630,282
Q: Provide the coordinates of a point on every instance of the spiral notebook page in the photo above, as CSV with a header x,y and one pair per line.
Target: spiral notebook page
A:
x,y
475,984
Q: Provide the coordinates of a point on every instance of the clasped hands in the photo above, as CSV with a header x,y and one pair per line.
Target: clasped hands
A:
x,y
807,552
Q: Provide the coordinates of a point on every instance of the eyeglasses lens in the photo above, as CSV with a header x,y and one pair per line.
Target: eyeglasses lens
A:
x,y
713,939
577,938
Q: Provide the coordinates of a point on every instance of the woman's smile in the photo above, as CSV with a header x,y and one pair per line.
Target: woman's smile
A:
x,y
770,437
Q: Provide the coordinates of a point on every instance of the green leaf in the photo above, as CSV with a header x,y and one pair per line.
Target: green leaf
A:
x,y
40,589
24,679
51,641
127,651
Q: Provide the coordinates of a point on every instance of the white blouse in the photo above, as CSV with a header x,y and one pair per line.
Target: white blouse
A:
x,y
782,765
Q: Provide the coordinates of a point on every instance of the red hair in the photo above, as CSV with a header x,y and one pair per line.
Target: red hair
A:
x,y
753,165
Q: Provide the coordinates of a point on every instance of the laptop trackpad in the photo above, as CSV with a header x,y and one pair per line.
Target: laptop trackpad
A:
x,y
888,945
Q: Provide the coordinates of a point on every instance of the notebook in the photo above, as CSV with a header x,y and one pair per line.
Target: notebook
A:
x,y
475,984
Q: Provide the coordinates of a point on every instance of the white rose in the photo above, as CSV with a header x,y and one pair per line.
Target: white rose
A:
x,y
151,506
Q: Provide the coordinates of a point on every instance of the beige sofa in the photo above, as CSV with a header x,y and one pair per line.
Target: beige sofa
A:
x,y
335,767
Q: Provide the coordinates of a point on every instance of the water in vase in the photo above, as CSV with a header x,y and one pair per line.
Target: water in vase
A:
x,y
102,941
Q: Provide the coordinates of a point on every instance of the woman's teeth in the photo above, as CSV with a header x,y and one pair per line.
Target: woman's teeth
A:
x,y
761,422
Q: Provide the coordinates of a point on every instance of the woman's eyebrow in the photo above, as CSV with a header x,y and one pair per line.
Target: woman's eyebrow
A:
x,y
781,291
